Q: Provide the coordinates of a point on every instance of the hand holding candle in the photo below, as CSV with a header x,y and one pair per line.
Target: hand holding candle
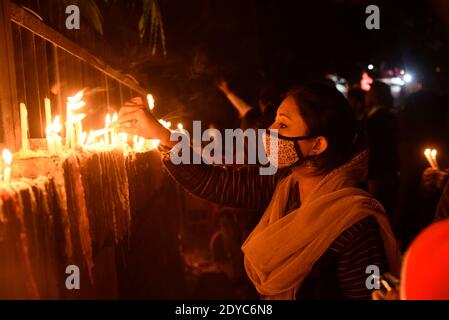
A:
x,y
135,119
431,157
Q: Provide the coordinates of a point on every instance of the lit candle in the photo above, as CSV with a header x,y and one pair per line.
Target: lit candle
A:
x,y
7,158
150,101
50,141
428,155
73,121
433,156
24,127
78,127
48,116
54,140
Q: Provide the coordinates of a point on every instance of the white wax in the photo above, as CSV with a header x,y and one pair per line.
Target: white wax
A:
x,y
47,111
24,127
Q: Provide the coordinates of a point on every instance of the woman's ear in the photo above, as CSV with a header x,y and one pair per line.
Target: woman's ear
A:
x,y
320,145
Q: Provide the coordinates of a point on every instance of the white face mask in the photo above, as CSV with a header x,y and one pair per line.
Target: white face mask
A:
x,y
288,151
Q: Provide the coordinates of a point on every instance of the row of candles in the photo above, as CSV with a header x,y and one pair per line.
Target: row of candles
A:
x,y
76,137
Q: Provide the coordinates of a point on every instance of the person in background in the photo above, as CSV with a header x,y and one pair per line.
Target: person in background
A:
x,y
356,99
225,244
442,211
423,125
257,118
382,140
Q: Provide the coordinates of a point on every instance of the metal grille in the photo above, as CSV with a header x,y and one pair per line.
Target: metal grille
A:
x,y
46,64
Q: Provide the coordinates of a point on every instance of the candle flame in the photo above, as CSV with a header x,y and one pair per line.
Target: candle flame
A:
x,y
55,127
180,126
427,152
433,153
76,105
114,117
77,97
150,101
166,124
7,157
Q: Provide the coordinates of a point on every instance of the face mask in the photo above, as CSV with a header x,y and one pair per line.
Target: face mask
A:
x,y
288,151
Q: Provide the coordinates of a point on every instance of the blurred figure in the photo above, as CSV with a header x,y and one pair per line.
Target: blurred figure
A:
x,y
225,245
356,99
442,211
257,118
422,125
382,140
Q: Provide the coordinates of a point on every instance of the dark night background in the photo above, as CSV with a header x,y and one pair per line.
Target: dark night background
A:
x,y
254,42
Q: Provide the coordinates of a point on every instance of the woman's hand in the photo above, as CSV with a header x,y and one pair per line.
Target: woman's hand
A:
x,y
134,118
434,179
389,295
223,86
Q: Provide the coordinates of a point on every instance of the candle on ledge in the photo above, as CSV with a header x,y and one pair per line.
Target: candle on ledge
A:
x,y
24,127
54,140
7,158
48,116
73,121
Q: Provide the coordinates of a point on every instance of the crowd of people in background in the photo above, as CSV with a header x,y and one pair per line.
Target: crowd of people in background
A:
x,y
414,195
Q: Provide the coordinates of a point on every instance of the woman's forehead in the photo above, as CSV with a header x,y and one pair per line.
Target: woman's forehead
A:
x,y
288,108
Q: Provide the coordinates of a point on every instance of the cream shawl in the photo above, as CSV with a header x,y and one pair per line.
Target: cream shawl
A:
x,y
281,250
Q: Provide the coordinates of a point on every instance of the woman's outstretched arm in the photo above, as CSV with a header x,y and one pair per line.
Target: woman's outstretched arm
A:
x,y
241,187
238,187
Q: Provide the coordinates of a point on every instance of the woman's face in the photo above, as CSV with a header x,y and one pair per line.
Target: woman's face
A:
x,y
290,123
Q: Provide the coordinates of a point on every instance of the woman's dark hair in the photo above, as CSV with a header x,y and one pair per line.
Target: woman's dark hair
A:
x,y
327,113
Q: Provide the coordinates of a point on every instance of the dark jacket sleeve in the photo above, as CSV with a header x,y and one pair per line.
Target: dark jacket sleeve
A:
x,y
226,185
442,211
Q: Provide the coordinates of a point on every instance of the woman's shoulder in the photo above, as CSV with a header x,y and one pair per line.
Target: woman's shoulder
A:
x,y
363,231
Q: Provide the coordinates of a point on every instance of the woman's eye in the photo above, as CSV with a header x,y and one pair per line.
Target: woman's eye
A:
x,y
282,126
